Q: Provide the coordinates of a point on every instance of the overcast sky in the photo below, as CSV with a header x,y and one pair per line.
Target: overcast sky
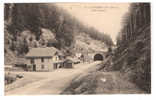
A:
x,y
105,17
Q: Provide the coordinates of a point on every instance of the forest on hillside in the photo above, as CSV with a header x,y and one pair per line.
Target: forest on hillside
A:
x,y
24,22
133,54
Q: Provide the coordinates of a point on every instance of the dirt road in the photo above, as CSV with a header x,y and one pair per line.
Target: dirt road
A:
x,y
50,82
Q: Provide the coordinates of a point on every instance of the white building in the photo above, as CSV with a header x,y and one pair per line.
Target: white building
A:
x,y
43,59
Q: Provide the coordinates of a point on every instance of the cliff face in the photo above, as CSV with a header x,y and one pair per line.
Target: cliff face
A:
x,y
133,54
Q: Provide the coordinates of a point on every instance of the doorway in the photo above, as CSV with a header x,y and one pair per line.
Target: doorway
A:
x,y
34,67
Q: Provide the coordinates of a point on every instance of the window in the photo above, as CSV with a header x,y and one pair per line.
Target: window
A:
x,y
32,61
42,66
42,59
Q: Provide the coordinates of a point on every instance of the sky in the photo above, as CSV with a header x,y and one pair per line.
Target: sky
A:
x,y
105,17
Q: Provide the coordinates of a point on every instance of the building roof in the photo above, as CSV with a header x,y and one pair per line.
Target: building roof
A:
x,y
72,59
59,61
20,60
42,52
68,61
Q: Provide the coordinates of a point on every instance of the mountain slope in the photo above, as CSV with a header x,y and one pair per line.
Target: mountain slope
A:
x,y
33,25
133,55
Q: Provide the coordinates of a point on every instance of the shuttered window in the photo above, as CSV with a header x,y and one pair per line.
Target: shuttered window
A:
x,y
42,66
42,59
32,61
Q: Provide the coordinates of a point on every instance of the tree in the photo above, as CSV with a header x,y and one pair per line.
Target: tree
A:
x,y
25,46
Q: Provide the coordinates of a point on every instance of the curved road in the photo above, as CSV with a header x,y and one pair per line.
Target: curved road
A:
x,y
51,82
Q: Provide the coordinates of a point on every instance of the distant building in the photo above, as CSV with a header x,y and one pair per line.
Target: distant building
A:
x,y
78,55
43,59
20,62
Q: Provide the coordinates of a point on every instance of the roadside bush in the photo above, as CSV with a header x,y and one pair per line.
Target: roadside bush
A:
x,y
9,78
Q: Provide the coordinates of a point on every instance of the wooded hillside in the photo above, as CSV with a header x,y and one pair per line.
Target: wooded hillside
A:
x,y
24,24
133,55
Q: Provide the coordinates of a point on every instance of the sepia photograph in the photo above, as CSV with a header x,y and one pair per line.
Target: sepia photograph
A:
x,y
77,48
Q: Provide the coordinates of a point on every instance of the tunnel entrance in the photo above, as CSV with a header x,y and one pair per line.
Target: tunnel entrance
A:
x,y
98,57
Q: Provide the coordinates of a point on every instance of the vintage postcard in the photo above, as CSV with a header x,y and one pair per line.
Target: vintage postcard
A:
x,y
77,48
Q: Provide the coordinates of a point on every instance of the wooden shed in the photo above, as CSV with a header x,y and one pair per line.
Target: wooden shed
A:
x,y
68,63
